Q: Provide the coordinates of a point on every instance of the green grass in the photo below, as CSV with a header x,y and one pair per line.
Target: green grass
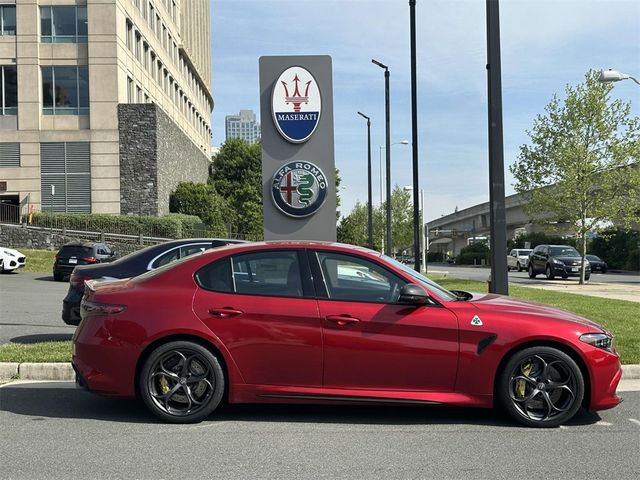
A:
x,y
36,352
38,261
620,317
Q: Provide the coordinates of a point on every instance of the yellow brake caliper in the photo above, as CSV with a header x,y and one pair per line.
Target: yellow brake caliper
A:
x,y
164,385
521,384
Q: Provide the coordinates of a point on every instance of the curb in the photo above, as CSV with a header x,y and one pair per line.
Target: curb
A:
x,y
64,371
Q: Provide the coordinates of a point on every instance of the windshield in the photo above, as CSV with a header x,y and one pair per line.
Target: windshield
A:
x,y
563,252
443,293
524,252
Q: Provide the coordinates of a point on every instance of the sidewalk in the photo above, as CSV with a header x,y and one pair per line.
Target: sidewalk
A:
x,y
593,289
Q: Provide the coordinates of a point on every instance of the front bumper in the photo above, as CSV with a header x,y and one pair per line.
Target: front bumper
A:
x,y
606,373
568,271
70,313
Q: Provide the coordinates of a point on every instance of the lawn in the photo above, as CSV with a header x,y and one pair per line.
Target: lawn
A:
x,y
38,261
36,352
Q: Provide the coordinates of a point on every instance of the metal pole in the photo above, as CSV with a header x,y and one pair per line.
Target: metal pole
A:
x,y
423,241
417,223
381,199
387,121
369,199
499,279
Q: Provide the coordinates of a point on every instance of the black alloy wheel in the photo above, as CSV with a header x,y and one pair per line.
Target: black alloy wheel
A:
x,y
532,273
182,382
549,272
541,387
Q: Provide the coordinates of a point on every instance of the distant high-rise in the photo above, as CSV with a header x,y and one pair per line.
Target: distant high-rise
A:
x,y
243,125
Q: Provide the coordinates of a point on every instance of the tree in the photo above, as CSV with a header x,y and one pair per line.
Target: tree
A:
x,y
237,177
582,162
201,199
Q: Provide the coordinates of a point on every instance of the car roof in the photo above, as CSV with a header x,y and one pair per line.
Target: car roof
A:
x,y
80,243
283,244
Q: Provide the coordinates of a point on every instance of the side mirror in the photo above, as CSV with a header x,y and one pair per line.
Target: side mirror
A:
x,y
412,294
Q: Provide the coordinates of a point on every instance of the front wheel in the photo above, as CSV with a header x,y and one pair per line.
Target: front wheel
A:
x,y
532,273
182,382
549,273
541,387
519,267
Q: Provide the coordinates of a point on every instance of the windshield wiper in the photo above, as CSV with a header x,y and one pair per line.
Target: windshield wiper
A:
x,y
461,295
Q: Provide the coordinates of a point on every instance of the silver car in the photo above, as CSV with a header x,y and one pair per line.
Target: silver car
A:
x,y
518,259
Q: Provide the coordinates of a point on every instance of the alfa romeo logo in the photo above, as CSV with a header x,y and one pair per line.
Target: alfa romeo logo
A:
x,y
299,188
296,104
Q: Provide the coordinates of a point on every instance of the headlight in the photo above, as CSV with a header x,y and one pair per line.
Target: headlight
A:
x,y
557,262
599,340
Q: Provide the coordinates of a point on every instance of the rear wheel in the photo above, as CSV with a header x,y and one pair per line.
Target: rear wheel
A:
x,y
549,273
182,382
532,273
541,387
57,276
587,277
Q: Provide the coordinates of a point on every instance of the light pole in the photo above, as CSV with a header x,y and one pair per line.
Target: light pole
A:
x,y
424,240
614,76
414,139
401,142
387,126
369,200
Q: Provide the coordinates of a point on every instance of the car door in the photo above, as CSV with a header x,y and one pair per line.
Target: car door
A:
x,y
372,342
262,306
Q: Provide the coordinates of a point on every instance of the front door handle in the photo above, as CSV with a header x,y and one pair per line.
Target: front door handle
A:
x,y
342,320
224,312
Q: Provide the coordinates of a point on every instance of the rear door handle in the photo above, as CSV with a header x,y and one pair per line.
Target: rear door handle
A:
x,y
225,312
342,320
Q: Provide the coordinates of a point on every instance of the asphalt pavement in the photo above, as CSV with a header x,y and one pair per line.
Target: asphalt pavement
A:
x,y
55,431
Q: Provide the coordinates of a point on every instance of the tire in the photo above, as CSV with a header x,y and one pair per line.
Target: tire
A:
x,y
587,277
541,387
181,382
549,273
604,269
519,267
564,277
57,276
532,273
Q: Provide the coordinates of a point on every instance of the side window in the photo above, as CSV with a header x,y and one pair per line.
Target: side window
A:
x,y
359,280
268,273
216,276
166,258
107,250
191,249
513,253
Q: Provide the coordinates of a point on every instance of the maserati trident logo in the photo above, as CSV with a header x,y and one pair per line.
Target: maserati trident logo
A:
x,y
299,188
296,104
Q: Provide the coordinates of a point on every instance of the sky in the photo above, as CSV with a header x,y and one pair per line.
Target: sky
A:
x,y
546,44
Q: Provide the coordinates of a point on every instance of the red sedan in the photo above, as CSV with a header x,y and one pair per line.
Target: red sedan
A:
x,y
312,322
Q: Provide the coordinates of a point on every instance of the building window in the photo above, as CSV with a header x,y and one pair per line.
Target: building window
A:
x,y
138,40
146,55
129,37
7,20
9,90
66,167
63,24
65,90
130,97
138,94
9,155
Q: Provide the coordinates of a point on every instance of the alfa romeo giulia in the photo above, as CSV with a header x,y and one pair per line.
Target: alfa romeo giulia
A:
x,y
313,322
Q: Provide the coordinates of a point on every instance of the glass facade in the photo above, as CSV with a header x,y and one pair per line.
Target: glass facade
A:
x,y
63,24
65,90
9,77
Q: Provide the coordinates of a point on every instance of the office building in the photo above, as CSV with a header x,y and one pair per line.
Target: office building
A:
x,y
105,105
243,125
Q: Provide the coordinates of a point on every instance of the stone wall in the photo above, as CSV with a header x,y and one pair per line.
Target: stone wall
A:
x,y
16,236
155,155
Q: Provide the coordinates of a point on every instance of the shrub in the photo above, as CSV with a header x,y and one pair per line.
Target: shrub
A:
x,y
474,254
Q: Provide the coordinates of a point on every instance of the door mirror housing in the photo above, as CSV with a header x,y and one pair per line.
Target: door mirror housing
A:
x,y
412,294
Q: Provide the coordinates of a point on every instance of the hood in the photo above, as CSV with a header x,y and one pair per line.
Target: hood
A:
x,y
504,304
10,251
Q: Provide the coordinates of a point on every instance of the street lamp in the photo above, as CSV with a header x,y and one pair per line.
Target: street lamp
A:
x,y
401,142
369,205
424,241
414,132
614,76
387,126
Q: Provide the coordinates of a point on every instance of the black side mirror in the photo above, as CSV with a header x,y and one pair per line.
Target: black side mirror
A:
x,y
412,294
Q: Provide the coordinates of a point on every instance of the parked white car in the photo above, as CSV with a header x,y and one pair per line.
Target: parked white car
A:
x,y
11,259
518,259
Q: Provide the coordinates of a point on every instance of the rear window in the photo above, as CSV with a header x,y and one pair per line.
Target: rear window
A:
x,y
75,251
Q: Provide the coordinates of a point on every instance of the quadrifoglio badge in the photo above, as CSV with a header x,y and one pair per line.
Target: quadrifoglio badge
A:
x,y
299,188
296,104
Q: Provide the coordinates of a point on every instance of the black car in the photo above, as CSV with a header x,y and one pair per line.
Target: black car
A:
x,y
557,260
130,266
597,264
77,253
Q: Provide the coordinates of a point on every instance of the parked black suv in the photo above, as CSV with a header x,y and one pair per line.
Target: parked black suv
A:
x,y
77,253
130,266
557,260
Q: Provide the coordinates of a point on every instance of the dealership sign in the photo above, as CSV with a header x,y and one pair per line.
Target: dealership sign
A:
x,y
296,104
299,189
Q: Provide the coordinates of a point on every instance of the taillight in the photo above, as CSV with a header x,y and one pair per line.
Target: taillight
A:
x,y
90,259
102,308
78,280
